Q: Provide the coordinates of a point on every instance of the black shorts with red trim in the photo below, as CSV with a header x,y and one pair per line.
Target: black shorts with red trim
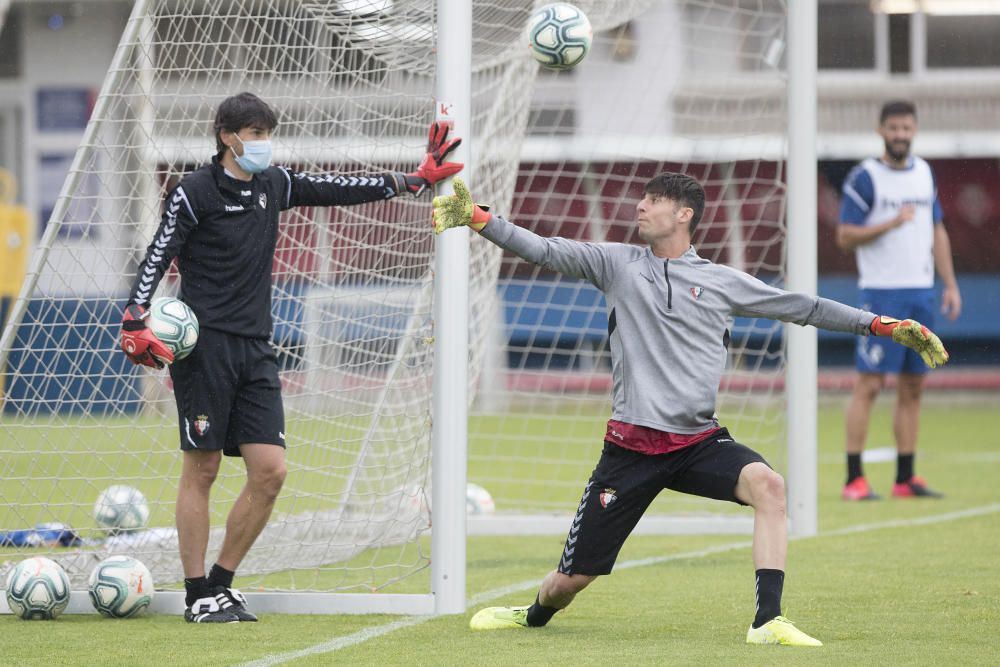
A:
x,y
625,482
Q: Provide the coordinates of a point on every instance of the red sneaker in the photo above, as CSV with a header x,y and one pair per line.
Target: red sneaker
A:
x,y
858,489
916,487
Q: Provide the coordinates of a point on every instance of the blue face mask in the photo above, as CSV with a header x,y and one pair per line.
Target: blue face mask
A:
x,y
256,155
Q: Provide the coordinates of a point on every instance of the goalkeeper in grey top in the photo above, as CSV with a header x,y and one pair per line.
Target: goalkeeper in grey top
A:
x,y
669,313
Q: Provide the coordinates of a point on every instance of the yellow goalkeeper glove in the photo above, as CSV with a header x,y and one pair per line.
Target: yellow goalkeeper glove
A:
x,y
459,209
913,335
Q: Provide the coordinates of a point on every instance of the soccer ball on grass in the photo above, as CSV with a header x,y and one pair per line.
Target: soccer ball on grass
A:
x,y
120,509
120,587
559,35
37,589
175,324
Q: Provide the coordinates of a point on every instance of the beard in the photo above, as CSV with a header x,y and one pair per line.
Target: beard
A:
x,y
897,150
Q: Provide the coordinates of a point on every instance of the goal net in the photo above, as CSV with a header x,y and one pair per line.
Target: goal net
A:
x,y
689,85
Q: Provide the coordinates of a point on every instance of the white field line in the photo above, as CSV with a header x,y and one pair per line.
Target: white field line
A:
x,y
488,596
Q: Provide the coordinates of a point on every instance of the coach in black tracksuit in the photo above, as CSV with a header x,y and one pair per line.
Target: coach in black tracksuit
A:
x,y
221,223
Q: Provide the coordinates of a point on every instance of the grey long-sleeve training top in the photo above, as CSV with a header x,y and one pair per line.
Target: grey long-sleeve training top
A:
x,y
669,320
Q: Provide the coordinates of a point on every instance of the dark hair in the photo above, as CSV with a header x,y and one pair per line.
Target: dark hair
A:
x,y
240,111
897,108
682,189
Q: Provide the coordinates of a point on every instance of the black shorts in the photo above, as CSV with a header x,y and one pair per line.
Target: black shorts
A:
x,y
228,394
625,482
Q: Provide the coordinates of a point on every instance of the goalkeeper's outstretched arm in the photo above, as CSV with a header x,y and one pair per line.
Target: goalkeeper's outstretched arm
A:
x,y
595,262
590,261
751,297
328,190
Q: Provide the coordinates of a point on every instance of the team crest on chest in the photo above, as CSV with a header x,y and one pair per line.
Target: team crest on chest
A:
x,y
262,199
607,497
696,291
201,424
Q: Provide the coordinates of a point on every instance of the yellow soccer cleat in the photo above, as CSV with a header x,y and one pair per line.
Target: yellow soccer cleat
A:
x,y
779,630
500,618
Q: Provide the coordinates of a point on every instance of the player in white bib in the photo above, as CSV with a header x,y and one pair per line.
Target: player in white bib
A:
x,y
891,217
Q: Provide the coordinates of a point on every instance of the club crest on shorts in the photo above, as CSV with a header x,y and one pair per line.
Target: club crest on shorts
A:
x,y
262,199
607,497
696,291
201,424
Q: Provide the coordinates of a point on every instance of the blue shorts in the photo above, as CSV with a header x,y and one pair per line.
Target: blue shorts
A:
x,y
876,354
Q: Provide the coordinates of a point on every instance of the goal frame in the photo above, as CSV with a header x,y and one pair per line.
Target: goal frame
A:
x,y
449,435
450,418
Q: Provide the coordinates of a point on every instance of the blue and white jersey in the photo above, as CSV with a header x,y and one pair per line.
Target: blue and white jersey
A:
x,y
874,192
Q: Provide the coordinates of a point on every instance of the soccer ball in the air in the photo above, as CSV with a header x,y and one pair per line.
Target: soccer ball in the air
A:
x,y
478,500
120,587
121,509
37,589
559,35
175,324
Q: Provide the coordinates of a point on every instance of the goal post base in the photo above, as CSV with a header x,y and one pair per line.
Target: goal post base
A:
x,y
558,524
172,603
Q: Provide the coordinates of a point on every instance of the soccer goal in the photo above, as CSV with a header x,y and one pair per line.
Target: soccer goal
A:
x,y
690,85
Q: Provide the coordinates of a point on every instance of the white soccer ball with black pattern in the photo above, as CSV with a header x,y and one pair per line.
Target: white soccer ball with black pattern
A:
x,y
121,509
120,587
37,589
175,324
559,35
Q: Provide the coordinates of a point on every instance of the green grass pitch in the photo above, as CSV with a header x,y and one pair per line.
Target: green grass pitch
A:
x,y
893,582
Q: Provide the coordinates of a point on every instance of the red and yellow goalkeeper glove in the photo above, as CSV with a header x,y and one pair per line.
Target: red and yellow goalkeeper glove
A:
x,y
139,344
458,209
913,335
433,168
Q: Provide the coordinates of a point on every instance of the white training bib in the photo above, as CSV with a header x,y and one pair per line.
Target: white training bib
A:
x,y
902,257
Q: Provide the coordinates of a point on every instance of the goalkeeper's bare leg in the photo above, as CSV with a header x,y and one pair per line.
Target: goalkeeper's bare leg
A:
x,y
266,471
198,472
763,489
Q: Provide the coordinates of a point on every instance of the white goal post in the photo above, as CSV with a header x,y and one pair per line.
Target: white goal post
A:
x,y
411,363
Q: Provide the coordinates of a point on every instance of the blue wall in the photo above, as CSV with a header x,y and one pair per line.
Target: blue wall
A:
x,y
81,369
71,363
